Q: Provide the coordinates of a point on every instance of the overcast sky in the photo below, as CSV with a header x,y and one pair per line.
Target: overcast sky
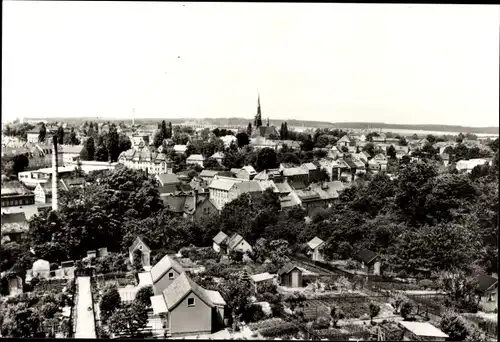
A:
x,y
405,64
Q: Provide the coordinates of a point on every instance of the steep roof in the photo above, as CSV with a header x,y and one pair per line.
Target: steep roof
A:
x,y
163,266
168,178
485,282
182,286
287,268
136,243
261,277
223,183
234,240
249,169
309,166
220,237
345,138
13,218
366,256
247,186
289,201
315,243
208,173
423,329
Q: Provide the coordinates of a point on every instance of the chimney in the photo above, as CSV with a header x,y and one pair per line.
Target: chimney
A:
x,y
54,174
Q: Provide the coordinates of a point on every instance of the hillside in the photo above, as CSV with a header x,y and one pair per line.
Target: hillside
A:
x,y
296,123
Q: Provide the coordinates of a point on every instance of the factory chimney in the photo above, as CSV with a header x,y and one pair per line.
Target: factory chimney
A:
x,y
54,173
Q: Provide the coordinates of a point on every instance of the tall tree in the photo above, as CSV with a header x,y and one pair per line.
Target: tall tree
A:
x,y
42,133
170,131
60,135
90,148
112,144
266,159
242,139
249,129
286,131
164,130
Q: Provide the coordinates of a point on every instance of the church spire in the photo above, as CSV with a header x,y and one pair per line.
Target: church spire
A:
x,y
258,116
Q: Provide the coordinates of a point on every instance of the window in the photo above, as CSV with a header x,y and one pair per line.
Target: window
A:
x,y
171,275
140,248
190,301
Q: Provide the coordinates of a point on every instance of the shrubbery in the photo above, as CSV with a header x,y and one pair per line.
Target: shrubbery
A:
x,y
279,330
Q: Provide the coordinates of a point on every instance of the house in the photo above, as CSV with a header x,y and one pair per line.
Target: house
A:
x,y
144,159
167,179
309,199
208,175
218,156
164,272
70,153
290,145
140,139
15,193
381,160
361,157
276,175
204,207
290,276
316,246
14,226
261,279
180,149
329,192
313,169
244,187
265,132
421,331
72,183
290,201
140,245
238,244
32,178
343,142
370,261
187,309
283,189
43,193
195,159
487,292
220,242
92,165
219,190
296,176
246,172
262,142
331,167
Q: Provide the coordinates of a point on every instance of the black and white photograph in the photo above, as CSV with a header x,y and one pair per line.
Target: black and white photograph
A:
x,y
249,171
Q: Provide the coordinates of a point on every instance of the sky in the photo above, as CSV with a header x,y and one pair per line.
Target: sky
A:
x,y
392,63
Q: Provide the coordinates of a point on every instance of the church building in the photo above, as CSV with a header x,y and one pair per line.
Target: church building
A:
x,y
258,130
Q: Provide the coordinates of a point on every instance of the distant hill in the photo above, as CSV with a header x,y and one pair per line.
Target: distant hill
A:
x,y
292,123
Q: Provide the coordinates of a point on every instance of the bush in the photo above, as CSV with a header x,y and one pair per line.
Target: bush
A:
x,y
284,328
253,313
427,284
321,323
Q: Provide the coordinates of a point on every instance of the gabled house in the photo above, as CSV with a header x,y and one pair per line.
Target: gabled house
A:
x,y
290,275
275,175
261,279
297,177
220,242
328,191
140,245
343,142
370,261
205,206
316,246
421,331
180,149
208,175
309,200
290,201
195,159
167,179
219,190
246,172
218,156
164,272
283,189
244,187
187,309
487,292
237,243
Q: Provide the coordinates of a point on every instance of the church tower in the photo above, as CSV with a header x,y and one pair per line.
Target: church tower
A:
x,y
258,117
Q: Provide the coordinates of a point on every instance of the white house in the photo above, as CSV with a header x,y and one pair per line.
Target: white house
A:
x,y
179,149
218,156
238,244
70,153
219,241
316,246
195,159
219,189
144,159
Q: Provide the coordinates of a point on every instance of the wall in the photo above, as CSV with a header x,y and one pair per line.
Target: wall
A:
x,y
164,282
286,279
197,319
